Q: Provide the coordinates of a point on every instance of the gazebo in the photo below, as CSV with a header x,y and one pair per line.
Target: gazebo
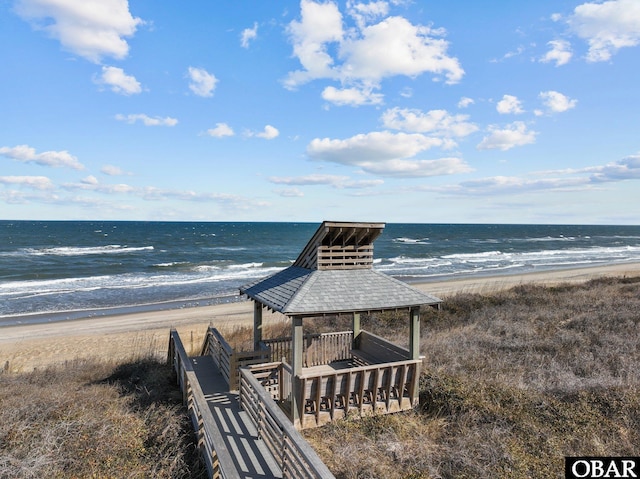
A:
x,y
336,374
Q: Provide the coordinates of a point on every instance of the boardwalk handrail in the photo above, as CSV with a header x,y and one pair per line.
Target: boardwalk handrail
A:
x,y
227,359
219,462
294,455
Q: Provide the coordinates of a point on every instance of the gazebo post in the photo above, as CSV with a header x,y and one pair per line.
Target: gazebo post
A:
x,y
257,324
355,326
414,341
296,368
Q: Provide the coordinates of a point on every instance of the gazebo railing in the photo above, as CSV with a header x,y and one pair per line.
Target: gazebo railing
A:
x,y
318,349
380,378
368,389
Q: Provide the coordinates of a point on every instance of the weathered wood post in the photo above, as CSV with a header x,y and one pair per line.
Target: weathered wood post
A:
x,y
257,324
355,327
296,366
414,342
414,352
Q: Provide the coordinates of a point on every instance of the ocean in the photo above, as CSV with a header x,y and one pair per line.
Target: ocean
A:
x,y
57,270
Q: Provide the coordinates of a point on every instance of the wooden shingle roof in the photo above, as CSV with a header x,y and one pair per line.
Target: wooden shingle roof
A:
x,y
334,274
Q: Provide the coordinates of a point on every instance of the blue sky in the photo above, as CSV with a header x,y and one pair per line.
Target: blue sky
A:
x,y
396,111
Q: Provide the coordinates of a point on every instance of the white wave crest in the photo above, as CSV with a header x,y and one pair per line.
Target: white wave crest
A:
x,y
88,250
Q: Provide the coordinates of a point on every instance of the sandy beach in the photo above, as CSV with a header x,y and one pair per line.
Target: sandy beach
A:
x,y
25,347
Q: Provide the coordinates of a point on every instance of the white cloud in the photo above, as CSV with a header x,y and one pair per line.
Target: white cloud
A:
x,y
557,102
119,81
362,184
406,92
504,139
290,193
91,183
438,122
397,47
582,179
515,53
607,26
112,170
386,154
34,182
27,154
147,120
401,168
560,52
248,34
335,181
374,146
309,180
152,193
465,102
367,53
509,104
364,13
220,131
626,169
269,133
202,82
351,96
514,185
320,24
91,29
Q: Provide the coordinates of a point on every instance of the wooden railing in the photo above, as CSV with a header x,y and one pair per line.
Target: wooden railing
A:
x,y
210,442
381,377
368,389
294,455
317,349
227,359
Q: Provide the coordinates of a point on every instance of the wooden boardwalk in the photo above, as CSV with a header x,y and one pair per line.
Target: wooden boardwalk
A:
x,y
250,455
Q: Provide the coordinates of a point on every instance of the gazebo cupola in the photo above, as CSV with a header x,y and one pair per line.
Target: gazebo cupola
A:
x,y
340,246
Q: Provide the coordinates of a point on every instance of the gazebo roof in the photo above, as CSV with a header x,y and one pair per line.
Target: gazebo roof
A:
x,y
334,274
299,291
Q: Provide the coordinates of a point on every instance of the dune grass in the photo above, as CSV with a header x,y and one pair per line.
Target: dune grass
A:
x,y
96,419
512,383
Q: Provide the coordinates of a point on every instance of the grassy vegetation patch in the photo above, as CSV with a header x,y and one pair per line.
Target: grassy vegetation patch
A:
x,y
512,383
95,420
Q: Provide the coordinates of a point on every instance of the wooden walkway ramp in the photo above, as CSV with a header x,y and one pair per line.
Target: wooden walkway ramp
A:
x,y
227,434
251,457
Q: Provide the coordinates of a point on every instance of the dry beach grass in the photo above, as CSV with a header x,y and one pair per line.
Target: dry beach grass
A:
x,y
519,372
513,382
95,419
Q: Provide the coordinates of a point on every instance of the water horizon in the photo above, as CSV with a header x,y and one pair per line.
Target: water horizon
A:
x,y
59,270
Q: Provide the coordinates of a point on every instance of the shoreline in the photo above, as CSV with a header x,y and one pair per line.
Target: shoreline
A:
x,y
27,346
442,283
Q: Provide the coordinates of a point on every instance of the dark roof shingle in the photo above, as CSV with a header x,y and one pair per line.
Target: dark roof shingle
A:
x,y
301,291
